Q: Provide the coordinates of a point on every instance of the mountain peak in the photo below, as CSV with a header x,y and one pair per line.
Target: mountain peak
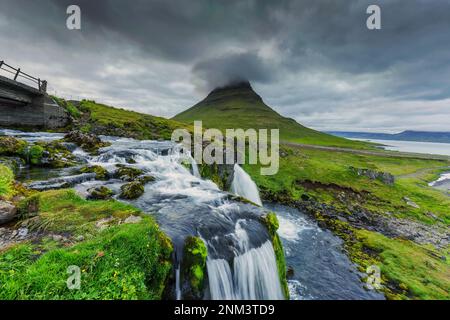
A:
x,y
241,89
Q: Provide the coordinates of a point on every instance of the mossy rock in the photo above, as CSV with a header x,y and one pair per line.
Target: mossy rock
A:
x,y
100,193
10,146
132,190
146,179
271,222
127,173
87,141
35,154
100,172
194,265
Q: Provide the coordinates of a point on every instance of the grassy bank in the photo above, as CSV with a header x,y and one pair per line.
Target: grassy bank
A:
x,y
118,258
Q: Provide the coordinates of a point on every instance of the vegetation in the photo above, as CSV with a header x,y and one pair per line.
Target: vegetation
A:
x,y
92,117
100,172
194,263
325,176
409,270
117,260
44,154
418,271
6,181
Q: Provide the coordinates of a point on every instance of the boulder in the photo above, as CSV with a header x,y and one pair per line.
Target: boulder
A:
x,y
99,193
384,177
132,190
100,172
8,212
127,173
87,141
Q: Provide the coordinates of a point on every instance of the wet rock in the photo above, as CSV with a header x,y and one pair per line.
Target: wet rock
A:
x,y
99,193
146,179
290,272
104,223
132,190
384,177
59,183
10,146
127,173
87,141
8,212
100,172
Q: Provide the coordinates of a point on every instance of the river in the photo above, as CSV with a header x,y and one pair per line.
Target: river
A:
x,y
241,262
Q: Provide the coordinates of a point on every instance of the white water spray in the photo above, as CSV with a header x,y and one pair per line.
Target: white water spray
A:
x,y
244,186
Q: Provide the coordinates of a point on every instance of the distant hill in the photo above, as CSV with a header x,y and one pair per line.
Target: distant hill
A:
x,y
409,135
239,106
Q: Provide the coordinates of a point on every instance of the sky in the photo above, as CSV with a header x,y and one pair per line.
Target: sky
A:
x,y
314,61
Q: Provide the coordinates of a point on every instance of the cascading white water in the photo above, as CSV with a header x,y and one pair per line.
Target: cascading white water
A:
x,y
254,276
244,186
241,261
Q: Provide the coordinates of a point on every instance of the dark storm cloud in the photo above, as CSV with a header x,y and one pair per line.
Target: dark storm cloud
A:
x,y
220,71
312,60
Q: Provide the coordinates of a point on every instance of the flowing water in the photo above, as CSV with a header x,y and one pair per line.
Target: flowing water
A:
x,y
184,204
244,186
321,268
241,262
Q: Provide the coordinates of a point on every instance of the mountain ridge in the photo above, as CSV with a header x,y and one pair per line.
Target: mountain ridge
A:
x,y
237,105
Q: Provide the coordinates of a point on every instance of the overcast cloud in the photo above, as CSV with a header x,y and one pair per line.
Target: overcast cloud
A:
x,y
314,61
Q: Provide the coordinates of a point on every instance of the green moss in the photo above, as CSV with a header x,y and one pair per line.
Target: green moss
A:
x,y
6,181
211,172
272,224
132,190
100,193
35,154
100,172
69,106
194,263
127,173
10,146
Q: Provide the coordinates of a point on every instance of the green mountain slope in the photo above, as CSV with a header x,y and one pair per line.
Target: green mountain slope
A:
x,y
239,106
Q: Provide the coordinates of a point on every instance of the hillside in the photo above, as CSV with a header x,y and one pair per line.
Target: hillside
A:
x,y
239,106
408,135
89,116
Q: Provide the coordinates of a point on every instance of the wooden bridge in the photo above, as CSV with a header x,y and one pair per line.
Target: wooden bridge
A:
x,y
24,101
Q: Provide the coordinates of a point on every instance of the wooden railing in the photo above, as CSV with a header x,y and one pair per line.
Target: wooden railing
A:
x,y
17,74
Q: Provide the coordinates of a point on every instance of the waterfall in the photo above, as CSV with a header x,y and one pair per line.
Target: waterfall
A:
x,y
241,263
244,186
195,168
254,276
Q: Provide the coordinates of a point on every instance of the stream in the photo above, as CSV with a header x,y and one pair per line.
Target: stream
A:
x,y
241,262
